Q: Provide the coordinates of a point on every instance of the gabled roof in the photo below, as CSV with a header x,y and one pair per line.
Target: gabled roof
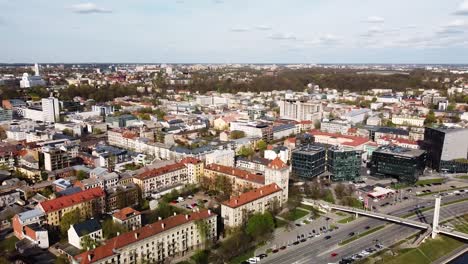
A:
x,y
277,164
238,173
87,227
125,213
145,232
160,171
251,196
69,200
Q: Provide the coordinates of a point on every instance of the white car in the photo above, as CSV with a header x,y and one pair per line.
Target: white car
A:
x,y
253,260
364,253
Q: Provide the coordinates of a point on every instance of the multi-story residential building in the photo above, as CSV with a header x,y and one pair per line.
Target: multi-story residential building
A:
x,y
402,163
308,161
408,121
222,157
343,165
252,163
51,109
236,211
26,224
278,172
5,114
254,129
59,156
241,179
357,115
128,217
89,203
300,110
186,171
121,121
173,237
335,126
121,196
447,149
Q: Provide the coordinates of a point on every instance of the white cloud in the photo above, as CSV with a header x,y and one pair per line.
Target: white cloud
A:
x,y
239,29
457,26
88,8
462,9
281,36
375,19
263,27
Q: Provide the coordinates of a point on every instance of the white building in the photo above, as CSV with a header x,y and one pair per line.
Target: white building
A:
x,y
300,110
222,157
31,81
50,109
408,121
128,217
335,126
90,228
357,115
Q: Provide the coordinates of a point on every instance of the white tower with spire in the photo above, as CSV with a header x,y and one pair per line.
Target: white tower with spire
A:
x,y
36,69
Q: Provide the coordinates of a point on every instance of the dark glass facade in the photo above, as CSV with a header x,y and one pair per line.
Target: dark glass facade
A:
x,y
433,144
308,161
344,165
404,164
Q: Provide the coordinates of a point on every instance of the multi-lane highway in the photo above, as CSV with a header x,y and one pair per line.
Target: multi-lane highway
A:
x,y
318,250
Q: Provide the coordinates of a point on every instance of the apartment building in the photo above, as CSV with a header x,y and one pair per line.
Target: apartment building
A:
x,y
188,170
89,202
408,121
300,110
128,217
241,179
158,242
236,210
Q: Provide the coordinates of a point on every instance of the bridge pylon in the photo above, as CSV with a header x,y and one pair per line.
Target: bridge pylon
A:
x,y
435,221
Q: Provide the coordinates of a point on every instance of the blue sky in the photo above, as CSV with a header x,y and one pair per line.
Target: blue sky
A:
x,y
227,31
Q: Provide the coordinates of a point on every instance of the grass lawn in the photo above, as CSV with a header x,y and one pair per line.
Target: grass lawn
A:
x,y
399,186
294,214
346,220
280,223
370,231
307,207
8,245
465,177
238,259
430,181
412,256
340,213
446,190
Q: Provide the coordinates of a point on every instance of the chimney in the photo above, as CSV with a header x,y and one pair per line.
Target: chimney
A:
x,y
133,228
209,212
187,217
261,192
163,225
175,213
90,256
159,218
118,233
137,235
236,201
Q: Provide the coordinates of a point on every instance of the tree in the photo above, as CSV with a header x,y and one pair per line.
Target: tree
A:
x,y
246,151
110,229
260,226
88,243
81,175
200,257
68,132
236,134
317,124
69,219
430,118
262,145
451,107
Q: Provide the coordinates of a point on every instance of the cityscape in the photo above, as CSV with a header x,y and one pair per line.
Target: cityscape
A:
x,y
238,143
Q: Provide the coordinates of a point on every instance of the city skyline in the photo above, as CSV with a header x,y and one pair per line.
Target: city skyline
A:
x,y
226,31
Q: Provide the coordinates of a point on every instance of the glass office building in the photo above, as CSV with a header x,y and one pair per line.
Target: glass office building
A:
x,y
402,163
343,165
308,161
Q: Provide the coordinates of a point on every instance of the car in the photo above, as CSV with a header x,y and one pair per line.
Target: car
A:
x,y
275,250
174,202
302,236
346,261
327,237
253,260
317,235
453,187
205,201
296,243
245,262
283,248
364,253
367,227
262,256
405,198
327,218
334,254
190,197
351,234
379,246
310,235
313,231
298,224
304,240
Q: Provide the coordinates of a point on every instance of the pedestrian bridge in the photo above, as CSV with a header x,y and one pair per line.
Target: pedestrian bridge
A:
x,y
390,218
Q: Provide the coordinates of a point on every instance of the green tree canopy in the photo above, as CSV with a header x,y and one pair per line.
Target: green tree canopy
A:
x,y
260,226
69,219
262,145
236,134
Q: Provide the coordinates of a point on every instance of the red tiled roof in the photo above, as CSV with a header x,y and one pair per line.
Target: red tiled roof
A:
x,y
236,173
72,199
356,141
131,237
125,212
277,164
191,160
160,171
251,196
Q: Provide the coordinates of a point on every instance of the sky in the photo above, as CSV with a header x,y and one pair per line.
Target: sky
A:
x,y
234,31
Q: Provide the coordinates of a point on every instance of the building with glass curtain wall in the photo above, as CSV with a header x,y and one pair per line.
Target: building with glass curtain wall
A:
x,y
402,163
343,165
308,161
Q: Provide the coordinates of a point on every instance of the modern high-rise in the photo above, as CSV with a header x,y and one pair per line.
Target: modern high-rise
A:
x,y
308,161
402,163
447,148
343,164
51,109
300,110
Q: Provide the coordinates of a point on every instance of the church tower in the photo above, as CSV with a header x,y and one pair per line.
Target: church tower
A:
x,y
278,172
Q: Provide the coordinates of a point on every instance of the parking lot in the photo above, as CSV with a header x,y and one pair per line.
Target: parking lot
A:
x,y
190,202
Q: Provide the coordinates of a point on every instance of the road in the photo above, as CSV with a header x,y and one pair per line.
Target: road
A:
x,y
318,250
